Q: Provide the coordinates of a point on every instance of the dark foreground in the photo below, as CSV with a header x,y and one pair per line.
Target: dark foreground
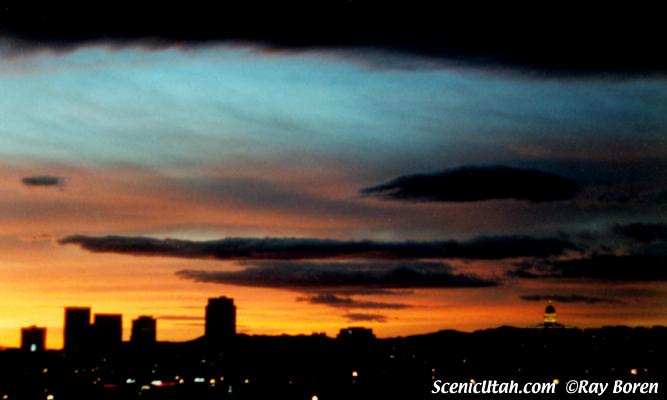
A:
x,y
288,367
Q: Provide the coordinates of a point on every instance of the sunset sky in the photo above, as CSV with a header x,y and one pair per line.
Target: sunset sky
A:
x,y
142,178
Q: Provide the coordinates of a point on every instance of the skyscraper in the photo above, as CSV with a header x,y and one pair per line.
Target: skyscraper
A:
x,y
108,332
33,339
144,330
220,318
77,329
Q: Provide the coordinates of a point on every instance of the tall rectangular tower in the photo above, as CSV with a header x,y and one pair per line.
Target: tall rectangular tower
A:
x,y
144,330
33,339
108,332
77,329
220,318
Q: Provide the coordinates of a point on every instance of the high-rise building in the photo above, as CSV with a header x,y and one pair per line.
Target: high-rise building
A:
x,y
356,333
33,339
220,318
144,330
356,338
77,329
108,332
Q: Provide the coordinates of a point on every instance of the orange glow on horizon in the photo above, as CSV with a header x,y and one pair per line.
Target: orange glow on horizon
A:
x,y
40,277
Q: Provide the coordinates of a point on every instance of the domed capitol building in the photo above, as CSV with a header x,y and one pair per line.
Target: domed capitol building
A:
x,y
550,318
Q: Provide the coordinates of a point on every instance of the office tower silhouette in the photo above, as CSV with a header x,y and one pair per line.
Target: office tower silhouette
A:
x,y
144,330
220,318
33,339
77,329
356,339
107,332
355,334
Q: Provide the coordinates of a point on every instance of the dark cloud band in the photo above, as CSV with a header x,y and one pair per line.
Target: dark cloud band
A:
x,y
575,298
467,184
642,233
486,248
560,40
607,267
310,275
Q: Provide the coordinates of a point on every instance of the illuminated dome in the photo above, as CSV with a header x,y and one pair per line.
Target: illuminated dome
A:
x,y
550,317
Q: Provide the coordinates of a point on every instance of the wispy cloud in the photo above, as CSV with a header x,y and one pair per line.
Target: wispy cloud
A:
x,y
335,301
43,181
170,317
363,317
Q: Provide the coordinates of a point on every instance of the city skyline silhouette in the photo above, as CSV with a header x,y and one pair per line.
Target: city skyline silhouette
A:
x,y
355,364
86,330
